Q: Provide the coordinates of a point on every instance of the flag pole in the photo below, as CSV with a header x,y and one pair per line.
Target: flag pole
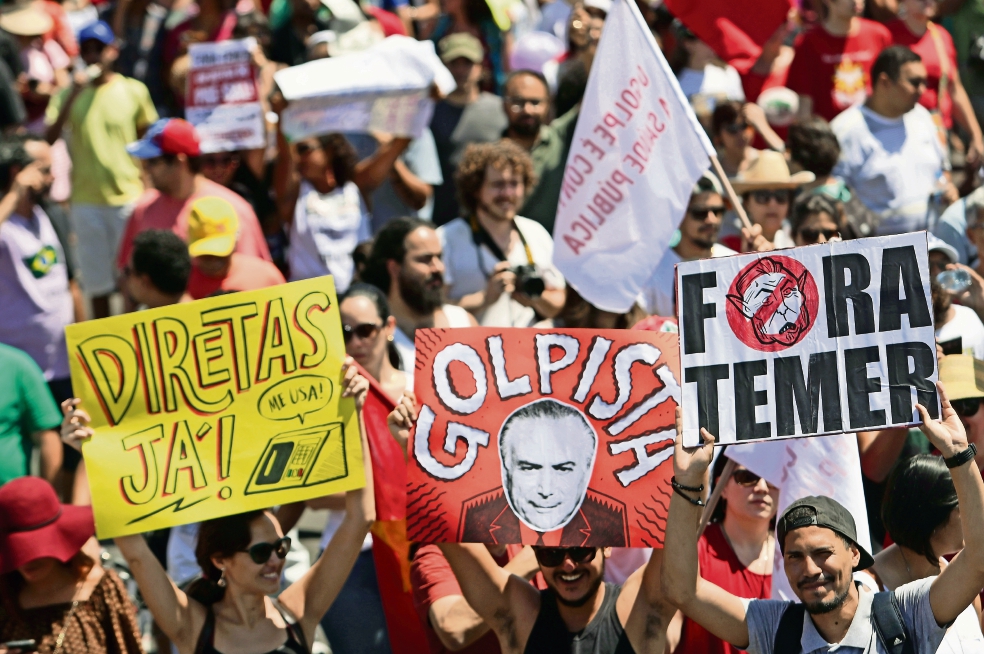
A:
x,y
715,497
735,200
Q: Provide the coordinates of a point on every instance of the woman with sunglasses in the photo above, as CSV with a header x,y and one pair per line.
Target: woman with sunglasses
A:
x,y
369,330
230,610
735,551
816,219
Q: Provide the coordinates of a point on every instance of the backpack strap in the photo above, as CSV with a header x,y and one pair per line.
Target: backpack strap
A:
x,y
790,630
887,619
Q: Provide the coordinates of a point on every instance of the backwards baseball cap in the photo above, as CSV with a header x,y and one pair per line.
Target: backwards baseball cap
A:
x,y
461,45
821,512
962,376
97,31
708,183
167,136
212,227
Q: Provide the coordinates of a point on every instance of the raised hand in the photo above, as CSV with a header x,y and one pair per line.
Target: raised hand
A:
x,y
353,383
691,463
947,434
75,425
400,420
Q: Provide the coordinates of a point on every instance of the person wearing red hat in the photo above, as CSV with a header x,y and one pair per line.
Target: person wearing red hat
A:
x,y
53,591
171,154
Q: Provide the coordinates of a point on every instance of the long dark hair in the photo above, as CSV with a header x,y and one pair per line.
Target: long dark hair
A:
x,y
919,499
378,298
219,537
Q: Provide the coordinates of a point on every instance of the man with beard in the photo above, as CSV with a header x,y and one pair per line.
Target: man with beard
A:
x,y
578,611
698,236
958,329
527,104
818,540
406,262
499,264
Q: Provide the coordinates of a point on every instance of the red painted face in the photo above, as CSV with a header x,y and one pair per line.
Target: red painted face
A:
x,y
772,304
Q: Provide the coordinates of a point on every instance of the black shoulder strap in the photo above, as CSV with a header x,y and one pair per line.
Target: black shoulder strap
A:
x,y
888,623
790,631
207,635
293,628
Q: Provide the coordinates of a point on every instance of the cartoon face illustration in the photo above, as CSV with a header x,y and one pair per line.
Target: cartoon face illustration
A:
x,y
773,299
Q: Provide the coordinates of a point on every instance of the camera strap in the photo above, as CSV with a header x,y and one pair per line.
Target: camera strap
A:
x,y
481,236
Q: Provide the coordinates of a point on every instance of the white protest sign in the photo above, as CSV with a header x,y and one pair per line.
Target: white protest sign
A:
x,y
637,153
816,340
222,101
385,88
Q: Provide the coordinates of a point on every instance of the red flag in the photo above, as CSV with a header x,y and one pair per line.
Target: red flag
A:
x,y
389,466
729,28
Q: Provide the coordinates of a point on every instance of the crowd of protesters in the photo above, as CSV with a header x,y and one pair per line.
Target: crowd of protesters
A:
x,y
859,119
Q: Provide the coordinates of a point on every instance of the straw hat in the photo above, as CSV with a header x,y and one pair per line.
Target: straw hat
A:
x,y
962,376
769,170
25,19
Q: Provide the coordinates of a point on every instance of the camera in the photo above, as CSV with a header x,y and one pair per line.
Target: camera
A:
x,y
528,280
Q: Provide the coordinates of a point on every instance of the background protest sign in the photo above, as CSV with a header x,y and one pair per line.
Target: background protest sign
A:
x,y
637,153
222,101
386,88
215,407
814,340
557,437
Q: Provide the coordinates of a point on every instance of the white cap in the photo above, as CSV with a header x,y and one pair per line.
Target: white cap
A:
x,y
937,244
603,5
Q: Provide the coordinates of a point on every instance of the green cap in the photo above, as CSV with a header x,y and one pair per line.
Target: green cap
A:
x,y
460,45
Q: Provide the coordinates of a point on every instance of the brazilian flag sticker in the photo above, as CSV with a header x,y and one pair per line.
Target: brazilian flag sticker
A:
x,y
42,262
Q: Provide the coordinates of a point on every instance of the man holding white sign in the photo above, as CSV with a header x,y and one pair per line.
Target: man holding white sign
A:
x,y
818,340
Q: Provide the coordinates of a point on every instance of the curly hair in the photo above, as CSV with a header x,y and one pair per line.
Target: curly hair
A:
x,y
470,175
342,155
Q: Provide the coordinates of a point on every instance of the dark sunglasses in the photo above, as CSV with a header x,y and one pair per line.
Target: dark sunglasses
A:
x,y
364,331
745,477
736,128
810,235
763,197
551,557
260,553
967,407
305,148
701,213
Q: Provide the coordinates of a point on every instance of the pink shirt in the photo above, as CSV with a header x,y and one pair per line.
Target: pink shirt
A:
x,y
154,210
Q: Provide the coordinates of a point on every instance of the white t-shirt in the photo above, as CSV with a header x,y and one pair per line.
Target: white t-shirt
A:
x,y
468,267
325,231
656,297
457,317
967,326
893,164
715,82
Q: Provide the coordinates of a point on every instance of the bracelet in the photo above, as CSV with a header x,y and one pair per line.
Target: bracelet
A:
x,y
961,458
679,486
695,502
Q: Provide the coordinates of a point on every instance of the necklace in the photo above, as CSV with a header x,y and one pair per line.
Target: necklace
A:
x,y
906,562
60,640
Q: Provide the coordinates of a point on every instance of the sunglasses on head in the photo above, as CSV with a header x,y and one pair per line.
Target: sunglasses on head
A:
x,y
736,128
551,557
780,195
967,407
701,213
260,553
744,477
363,331
810,235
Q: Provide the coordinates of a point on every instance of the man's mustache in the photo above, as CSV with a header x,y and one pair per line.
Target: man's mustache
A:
x,y
821,578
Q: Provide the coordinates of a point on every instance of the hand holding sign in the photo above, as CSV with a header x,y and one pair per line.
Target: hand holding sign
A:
x,y
690,464
947,434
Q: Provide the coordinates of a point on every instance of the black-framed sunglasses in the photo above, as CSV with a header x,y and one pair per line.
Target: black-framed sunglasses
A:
x,y
364,331
745,478
261,552
967,407
810,235
551,557
779,195
701,213
736,128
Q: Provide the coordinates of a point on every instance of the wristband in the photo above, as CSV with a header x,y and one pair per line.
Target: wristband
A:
x,y
695,502
961,458
693,489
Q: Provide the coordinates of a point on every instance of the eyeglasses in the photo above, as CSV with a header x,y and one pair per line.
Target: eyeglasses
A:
x,y
518,104
364,331
967,407
551,557
763,197
304,149
260,553
701,213
744,477
810,235
736,128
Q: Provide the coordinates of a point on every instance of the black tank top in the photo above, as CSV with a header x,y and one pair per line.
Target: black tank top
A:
x,y
296,642
603,635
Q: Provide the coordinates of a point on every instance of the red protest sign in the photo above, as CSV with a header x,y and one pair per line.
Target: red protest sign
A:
x,y
553,437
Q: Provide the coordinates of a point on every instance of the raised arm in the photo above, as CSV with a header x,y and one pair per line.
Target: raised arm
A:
x,y
715,609
961,581
312,595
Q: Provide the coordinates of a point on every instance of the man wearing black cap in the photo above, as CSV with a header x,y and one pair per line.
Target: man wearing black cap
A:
x,y
818,541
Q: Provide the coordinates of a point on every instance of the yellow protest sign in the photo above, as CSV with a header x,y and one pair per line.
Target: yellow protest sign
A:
x,y
215,407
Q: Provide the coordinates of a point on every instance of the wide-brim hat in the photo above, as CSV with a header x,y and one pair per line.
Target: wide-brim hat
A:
x,y
769,170
25,19
962,376
35,525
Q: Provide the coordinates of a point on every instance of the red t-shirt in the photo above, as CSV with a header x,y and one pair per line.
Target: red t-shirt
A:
x,y
154,210
925,47
245,273
834,70
720,565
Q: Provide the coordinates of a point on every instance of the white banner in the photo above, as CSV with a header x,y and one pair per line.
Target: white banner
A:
x,y
830,467
637,153
815,340
385,88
